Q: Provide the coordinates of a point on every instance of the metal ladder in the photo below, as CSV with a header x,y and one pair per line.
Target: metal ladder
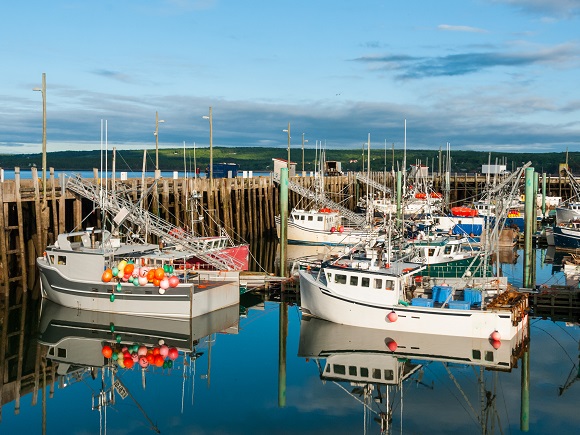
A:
x,y
323,201
210,250
372,183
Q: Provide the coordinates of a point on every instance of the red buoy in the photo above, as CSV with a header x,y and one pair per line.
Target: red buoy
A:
x,y
392,345
495,336
107,351
495,344
173,354
392,317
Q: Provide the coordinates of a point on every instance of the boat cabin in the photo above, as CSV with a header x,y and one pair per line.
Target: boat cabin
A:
x,y
363,368
323,219
437,251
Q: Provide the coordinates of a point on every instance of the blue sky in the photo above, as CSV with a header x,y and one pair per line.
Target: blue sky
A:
x,y
496,75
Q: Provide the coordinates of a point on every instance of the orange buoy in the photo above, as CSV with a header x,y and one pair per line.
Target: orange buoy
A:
x,y
107,275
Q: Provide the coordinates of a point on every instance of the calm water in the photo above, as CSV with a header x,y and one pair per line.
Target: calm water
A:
x,y
260,377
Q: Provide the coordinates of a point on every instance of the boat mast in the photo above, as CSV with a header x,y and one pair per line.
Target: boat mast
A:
x,y
370,211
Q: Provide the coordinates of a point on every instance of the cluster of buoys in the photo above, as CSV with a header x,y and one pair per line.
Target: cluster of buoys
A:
x,y
127,271
340,229
128,356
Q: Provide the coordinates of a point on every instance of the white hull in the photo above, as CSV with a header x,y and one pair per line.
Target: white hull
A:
x,y
298,234
321,301
207,292
323,339
566,214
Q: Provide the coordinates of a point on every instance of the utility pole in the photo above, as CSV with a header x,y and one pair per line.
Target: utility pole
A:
x,y
210,118
43,91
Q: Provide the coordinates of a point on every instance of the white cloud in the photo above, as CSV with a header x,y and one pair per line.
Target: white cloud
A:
x,y
448,27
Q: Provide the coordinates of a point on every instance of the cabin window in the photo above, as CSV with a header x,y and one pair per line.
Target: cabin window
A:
x,y
302,217
476,354
320,218
376,374
310,218
329,276
340,279
431,252
378,283
352,371
389,285
339,369
447,250
51,258
489,356
354,281
364,372
365,282
61,259
389,375
61,352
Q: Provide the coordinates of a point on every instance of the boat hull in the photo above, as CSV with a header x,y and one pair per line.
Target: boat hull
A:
x,y
208,291
456,268
321,301
566,238
301,235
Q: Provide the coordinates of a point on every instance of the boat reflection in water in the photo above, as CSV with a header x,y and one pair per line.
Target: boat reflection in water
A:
x,y
108,349
378,365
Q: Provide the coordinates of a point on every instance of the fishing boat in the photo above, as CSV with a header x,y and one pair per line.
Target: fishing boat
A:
x,y
95,270
372,365
103,350
447,256
367,291
567,235
568,211
324,226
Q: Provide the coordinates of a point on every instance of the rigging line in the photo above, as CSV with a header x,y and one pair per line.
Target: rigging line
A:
x,y
507,415
355,398
559,344
452,392
125,161
454,380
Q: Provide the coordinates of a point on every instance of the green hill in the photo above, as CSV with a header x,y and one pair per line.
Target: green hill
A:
x,y
260,159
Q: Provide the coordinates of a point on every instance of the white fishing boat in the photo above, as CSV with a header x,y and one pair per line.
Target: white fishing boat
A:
x,y
568,211
104,350
95,270
324,226
377,363
372,293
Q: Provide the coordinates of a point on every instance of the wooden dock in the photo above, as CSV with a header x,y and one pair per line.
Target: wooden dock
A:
x,y
559,303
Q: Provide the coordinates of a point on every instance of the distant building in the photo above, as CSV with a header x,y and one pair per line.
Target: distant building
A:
x,y
332,167
281,163
493,169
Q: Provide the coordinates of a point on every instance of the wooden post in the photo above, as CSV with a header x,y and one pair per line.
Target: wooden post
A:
x,y
38,246
54,207
165,199
20,250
